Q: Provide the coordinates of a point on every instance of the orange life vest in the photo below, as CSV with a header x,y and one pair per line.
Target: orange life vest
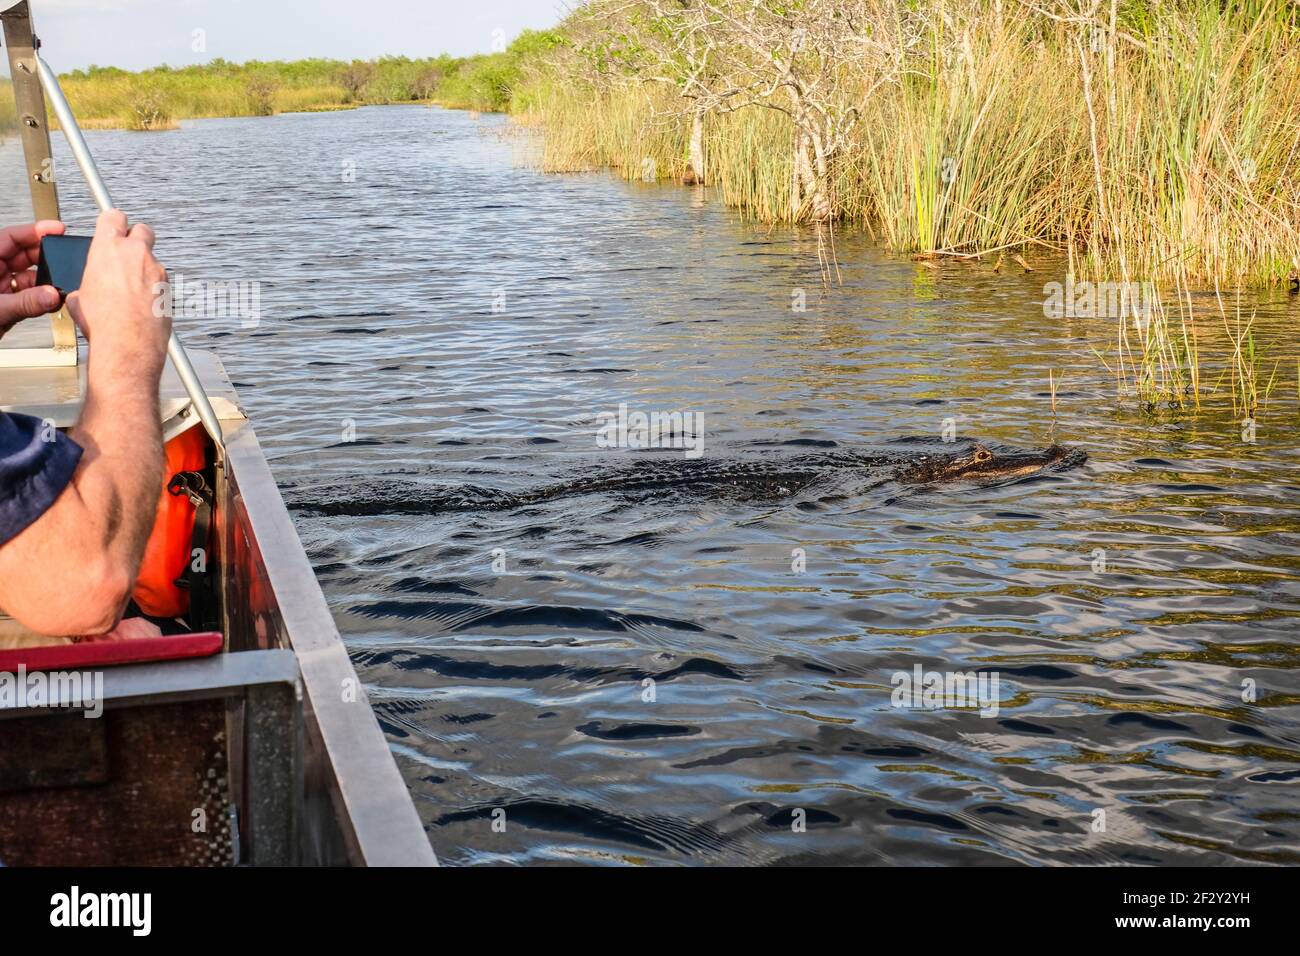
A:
x,y
167,555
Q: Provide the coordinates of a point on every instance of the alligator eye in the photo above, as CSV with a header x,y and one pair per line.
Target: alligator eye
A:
x,y
983,455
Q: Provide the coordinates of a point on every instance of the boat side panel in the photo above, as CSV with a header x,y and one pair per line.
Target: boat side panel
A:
x,y
358,807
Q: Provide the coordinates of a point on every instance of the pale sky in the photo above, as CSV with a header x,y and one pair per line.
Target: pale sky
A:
x,y
134,34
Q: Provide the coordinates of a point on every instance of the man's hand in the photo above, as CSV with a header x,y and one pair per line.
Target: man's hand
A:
x,y
128,629
116,304
20,296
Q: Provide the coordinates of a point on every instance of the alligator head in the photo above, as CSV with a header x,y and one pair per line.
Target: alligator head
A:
x,y
982,466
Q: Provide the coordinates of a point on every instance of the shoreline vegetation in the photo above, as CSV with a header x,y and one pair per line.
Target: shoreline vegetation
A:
x,y
1152,144
1156,140
157,99
154,100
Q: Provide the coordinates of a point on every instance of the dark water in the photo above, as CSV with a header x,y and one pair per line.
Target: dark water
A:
x,y
452,317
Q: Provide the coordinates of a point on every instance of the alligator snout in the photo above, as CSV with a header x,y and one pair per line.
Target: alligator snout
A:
x,y
982,466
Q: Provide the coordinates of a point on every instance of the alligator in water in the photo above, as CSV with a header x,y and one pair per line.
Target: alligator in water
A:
x,y
752,479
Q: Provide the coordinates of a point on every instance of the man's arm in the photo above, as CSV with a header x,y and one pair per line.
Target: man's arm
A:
x,y
72,570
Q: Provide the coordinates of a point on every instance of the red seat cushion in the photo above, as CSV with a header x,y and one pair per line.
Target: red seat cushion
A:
x,y
90,654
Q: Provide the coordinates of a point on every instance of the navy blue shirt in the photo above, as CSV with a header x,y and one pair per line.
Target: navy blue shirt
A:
x,y
36,464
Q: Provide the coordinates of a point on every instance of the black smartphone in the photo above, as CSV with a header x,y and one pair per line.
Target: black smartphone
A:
x,y
63,260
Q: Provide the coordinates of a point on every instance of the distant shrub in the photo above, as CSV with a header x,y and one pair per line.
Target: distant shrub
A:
x,y
149,110
261,89
354,77
427,82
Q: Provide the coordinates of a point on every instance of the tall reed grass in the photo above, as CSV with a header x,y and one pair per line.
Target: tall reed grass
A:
x,y
8,114
1166,148
1154,142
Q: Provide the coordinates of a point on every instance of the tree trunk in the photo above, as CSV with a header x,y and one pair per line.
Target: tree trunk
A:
x,y
820,204
810,194
805,181
695,170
